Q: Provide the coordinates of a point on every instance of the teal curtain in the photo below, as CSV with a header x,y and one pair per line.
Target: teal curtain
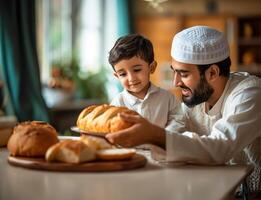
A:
x,y
18,59
124,26
123,17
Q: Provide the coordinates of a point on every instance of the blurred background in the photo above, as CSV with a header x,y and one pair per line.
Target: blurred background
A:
x,y
53,53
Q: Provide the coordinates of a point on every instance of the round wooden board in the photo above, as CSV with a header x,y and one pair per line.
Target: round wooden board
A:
x,y
136,161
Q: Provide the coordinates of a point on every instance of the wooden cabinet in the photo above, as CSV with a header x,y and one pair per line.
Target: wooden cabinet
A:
x,y
161,30
249,44
223,23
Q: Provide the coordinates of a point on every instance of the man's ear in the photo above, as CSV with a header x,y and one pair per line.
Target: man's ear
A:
x,y
212,73
153,67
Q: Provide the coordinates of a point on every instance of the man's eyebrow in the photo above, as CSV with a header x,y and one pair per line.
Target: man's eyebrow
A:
x,y
178,70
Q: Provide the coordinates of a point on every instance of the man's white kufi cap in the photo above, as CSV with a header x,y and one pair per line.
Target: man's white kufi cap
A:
x,y
199,45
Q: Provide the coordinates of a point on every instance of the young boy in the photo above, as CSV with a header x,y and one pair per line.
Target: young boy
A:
x,y
132,59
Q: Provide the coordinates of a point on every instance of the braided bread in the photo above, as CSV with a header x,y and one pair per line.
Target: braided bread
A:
x,y
102,119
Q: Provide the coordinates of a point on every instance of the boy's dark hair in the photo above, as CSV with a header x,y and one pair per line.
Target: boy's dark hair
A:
x,y
224,67
129,46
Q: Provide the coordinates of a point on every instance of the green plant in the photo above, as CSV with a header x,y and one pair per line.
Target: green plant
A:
x,y
92,86
88,85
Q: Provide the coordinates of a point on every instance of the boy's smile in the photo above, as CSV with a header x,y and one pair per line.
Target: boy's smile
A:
x,y
134,84
134,75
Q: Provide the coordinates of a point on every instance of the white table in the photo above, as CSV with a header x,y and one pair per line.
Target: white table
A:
x,y
152,182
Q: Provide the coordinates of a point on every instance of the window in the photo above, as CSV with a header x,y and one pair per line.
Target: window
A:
x,y
82,29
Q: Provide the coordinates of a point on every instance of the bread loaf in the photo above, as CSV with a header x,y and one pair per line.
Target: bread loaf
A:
x,y
106,151
32,139
115,154
103,119
95,143
70,151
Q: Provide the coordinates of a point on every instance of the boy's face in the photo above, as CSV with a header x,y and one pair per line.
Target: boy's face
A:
x,y
134,75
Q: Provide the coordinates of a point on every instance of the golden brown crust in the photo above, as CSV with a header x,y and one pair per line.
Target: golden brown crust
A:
x,y
32,139
85,112
103,119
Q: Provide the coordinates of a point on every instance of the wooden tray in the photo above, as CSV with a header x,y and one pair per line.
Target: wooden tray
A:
x,y
136,161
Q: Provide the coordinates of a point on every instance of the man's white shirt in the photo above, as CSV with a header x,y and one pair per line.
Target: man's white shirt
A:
x,y
231,129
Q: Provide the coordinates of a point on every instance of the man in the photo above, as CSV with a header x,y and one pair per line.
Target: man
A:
x,y
222,118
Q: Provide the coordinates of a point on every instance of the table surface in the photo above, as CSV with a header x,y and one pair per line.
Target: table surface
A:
x,y
154,181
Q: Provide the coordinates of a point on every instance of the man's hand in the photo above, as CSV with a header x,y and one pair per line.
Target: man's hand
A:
x,y
142,132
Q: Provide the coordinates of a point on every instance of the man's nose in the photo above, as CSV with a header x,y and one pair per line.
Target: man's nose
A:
x,y
176,80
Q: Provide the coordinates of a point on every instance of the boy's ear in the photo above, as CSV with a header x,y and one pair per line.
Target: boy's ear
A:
x,y
153,67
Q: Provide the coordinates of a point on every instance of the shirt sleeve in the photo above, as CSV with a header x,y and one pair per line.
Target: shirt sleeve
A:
x,y
239,126
117,101
176,120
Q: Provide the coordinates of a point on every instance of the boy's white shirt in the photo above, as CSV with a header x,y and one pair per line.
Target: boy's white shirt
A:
x,y
159,106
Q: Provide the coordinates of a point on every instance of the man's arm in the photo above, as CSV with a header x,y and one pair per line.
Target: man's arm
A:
x,y
176,117
236,129
142,132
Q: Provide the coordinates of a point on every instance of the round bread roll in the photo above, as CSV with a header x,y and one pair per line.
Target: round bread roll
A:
x,y
32,139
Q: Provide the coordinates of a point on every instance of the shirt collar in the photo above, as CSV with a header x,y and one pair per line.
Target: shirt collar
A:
x,y
218,105
133,100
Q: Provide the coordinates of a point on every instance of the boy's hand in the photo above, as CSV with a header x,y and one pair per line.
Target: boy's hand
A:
x,y
142,132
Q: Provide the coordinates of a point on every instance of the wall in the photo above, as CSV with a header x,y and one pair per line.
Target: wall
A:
x,y
161,26
192,7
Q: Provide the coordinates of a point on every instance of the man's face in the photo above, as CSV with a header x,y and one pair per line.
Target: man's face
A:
x,y
194,88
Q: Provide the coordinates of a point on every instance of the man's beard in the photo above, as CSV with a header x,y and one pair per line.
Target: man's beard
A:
x,y
201,94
